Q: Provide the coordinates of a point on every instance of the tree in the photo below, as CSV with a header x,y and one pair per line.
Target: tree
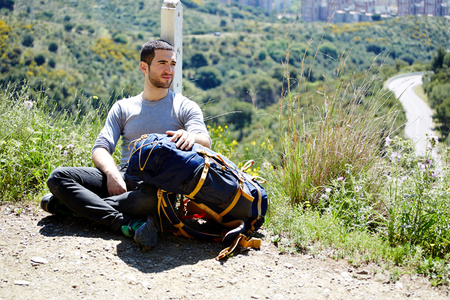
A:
x,y
329,50
198,60
208,78
28,40
8,4
438,60
53,47
40,59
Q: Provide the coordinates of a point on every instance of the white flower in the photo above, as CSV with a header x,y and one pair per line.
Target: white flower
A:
x,y
28,104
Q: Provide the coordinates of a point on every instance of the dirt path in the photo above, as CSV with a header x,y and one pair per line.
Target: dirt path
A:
x,y
49,257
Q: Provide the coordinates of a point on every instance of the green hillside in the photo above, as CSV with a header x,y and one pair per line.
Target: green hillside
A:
x,y
78,50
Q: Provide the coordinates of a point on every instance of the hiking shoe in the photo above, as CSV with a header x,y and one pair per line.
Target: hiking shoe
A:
x,y
144,231
51,204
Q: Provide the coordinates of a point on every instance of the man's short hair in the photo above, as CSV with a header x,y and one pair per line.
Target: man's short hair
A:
x,y
148,49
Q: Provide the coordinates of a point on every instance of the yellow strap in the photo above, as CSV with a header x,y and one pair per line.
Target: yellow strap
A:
x,y
202,178
235,200
250,242
209,211
240,240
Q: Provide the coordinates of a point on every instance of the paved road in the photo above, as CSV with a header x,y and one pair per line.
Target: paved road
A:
x,y
418,114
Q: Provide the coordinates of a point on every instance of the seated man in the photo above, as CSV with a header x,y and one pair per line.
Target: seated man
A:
x,y
103,194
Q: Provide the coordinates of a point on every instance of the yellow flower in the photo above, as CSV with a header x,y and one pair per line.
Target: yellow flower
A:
x,y
95,97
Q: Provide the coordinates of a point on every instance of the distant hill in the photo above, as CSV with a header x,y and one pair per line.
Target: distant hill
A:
x,y
76,50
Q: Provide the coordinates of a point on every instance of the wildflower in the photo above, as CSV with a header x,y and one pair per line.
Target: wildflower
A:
x,y
253,143
396,155
328,190
65,153
433,140
234,143
95,97
70,146
429,161
388,141
421,166
433,174
59,146
340,178
28,104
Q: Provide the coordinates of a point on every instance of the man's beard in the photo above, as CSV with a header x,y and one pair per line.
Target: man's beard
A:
x,y
157,82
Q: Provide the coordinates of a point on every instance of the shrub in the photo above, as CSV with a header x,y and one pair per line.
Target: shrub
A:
x,y
40,59
28,40
53,47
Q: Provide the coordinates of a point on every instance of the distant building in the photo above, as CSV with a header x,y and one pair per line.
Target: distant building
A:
x,y
267,5
363,10
310,11
423,7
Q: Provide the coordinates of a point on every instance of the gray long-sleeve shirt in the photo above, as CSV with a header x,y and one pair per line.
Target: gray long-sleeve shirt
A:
x,y
133,117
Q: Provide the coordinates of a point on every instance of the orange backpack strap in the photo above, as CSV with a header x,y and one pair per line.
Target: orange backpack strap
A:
x,y
240,240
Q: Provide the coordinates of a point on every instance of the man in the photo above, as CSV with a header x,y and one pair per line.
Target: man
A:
x,y
103,194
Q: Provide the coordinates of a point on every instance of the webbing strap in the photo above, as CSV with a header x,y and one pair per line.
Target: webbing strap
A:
x,y
240,240
202,178
166,206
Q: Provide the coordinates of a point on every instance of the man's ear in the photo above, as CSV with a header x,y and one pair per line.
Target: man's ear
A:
x,y
144,67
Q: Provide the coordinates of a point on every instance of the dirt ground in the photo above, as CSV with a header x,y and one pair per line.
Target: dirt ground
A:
x,y
54,257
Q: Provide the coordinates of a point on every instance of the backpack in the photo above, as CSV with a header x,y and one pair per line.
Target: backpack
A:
x,y
209,181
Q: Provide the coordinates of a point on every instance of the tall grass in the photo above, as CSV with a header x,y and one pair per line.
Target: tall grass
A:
x,y
35,139
347,130
343,186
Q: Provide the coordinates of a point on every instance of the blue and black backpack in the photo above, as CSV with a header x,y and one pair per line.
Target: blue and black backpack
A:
x,y
210,182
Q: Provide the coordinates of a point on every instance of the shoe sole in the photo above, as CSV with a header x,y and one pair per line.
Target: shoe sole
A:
x,y
147,235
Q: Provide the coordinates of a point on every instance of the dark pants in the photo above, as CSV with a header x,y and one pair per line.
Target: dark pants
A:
x,y
84,192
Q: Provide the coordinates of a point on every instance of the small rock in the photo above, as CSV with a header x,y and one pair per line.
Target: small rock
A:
x,y
21,282
346,276
288,265
39,260
362,272
381,278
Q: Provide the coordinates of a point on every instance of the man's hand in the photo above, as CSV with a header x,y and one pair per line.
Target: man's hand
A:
x,y
116,185
184,140
105,162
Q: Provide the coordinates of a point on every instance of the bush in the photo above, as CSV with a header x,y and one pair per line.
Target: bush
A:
x,y
53,47
208,78
28,40
40,59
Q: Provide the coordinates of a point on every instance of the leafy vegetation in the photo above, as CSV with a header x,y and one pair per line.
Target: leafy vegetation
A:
x,y
437,88
78,49
305,100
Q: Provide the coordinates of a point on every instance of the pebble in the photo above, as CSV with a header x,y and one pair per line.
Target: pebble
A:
x,y
39,260
21,282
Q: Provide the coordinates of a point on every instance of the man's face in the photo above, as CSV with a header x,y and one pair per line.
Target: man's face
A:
x,y
162,69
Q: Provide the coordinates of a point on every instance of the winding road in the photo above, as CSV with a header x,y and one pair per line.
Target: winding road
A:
x,y
418,114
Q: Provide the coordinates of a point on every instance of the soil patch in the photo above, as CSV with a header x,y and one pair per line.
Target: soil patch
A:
x,y
54,257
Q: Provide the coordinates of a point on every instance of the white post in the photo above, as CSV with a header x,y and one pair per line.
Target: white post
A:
x,y
172,32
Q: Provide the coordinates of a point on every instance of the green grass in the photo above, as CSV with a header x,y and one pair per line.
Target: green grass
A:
x,y
35,139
